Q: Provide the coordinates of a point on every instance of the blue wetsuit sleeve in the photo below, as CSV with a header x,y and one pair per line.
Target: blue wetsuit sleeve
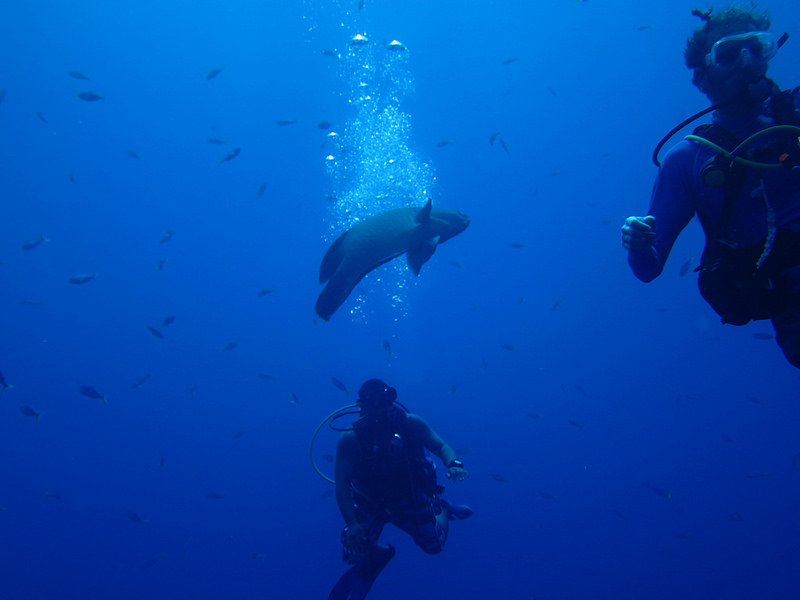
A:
x,y
672,205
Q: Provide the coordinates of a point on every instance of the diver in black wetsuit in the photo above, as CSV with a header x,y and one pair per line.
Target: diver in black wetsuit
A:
x,y
384,475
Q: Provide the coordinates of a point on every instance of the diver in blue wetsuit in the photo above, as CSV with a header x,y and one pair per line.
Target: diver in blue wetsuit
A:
x,y
740,175
384,475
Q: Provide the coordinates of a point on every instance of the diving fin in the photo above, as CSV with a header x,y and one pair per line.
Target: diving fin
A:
x,y
358,580
457,511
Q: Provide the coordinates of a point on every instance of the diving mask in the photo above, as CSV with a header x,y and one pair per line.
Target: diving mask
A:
x,y
741,49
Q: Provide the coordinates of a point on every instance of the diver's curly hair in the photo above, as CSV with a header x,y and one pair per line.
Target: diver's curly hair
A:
x,y
730,20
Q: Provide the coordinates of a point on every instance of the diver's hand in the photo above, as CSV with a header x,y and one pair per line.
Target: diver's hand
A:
x,y
639,233
355,539
457,473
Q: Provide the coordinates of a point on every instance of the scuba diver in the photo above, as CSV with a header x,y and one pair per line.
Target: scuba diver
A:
x,y
384,474
740,174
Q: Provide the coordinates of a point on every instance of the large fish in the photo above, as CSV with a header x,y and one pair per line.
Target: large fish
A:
x,y
414,231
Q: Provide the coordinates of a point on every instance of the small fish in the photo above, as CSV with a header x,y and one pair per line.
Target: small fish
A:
x,y
90,392
552,91
339,385
643,27
763,336
81,279
284,123
266,376
29,412
52,495
547,495
259,556
329,53
213,73
755,400
192,389
503,145
457,265
230,155
499,478
29,303
2,94
132,154
3,385
324,125
155,332
134,516
215,496
160,264
726,438
238,434
517,245
533,415
216,141
230,346
162,460
168,320
295,398
580,389
796,459
493,137
443,143
90,96
509,347
575,423
758,475
261,189
452,389
77,75
686,266
41,117
327,494
31,244
329,458
664,493
152,561
265,292
167,236
508,61
484,363
736,518
71,178
388,347
140,382
556,304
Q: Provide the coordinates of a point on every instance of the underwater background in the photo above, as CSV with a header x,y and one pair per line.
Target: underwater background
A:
x,y
622,443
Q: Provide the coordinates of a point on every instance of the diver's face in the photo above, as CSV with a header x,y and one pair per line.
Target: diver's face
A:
x,y
736,63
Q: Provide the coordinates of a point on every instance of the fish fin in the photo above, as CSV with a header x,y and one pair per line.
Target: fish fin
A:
x,y
334,294
332,259
420,253
424,214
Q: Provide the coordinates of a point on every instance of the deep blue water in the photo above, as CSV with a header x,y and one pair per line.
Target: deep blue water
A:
x,y
575,391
